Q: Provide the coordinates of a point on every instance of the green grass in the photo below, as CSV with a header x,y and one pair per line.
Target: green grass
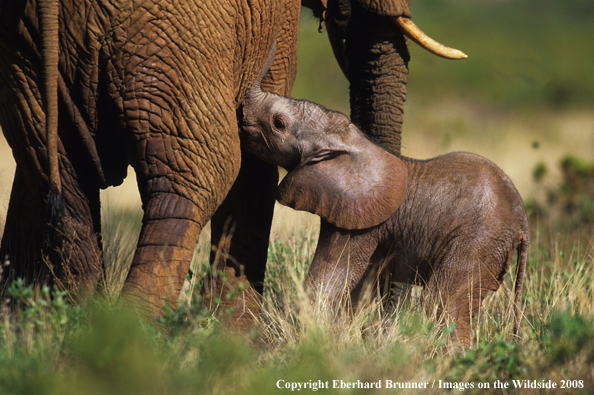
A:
x,y
48,346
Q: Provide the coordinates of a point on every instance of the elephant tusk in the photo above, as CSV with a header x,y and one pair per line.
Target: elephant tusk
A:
x,y
411,30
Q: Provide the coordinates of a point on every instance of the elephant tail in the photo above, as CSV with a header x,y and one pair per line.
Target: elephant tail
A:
x,y
47,11
522,256
48,20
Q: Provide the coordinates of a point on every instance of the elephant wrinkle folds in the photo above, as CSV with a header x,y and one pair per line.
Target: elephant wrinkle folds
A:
x,y
149,84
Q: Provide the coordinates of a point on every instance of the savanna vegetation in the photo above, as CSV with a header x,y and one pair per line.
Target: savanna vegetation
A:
x,y
49,345
522,99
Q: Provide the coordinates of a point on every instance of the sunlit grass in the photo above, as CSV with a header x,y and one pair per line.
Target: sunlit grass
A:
x,y
99,347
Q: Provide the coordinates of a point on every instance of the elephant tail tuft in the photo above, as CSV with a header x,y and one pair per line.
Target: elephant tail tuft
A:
x,y
54,217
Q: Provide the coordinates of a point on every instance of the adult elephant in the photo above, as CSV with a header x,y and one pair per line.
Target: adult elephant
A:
x,y
89,87
98,85
369,40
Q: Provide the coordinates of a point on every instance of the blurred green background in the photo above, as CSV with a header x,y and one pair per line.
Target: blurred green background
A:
x,y
524,98
523,55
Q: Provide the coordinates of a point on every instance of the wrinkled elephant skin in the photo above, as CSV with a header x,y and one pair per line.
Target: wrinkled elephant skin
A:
x,y
154,85
377,55
451,224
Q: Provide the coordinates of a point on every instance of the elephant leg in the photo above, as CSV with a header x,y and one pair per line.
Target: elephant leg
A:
x,y
378,59
465,306
80,258
68,253
22,241
341,259
170,230
240,230
438,300
240,227
177,200
69,256
455,296
477,283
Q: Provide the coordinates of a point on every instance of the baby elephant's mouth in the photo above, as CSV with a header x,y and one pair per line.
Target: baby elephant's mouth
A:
x,y
246,132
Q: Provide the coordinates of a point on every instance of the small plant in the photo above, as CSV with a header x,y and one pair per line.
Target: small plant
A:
x,y
49,346
566,336
42,310
573,200
287,263
494,359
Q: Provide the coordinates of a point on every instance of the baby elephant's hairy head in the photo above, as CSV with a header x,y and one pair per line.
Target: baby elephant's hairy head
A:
x,y
288,132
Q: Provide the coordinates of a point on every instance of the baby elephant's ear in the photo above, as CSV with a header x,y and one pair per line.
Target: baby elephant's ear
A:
x,y
354,190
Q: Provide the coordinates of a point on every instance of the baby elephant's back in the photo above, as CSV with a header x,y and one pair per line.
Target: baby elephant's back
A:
x,y
477,187
467,202
494,195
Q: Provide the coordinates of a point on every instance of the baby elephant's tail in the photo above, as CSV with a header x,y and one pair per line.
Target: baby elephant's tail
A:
x,y
522,255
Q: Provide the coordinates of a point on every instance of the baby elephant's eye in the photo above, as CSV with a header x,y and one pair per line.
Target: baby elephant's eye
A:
x,y
279,122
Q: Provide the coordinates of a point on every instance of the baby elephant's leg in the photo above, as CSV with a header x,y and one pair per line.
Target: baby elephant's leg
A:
x,y
457,294
446,305
440,302
340,261
465,306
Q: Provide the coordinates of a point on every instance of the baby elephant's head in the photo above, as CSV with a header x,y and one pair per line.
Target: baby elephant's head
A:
x,y
335,171
289,132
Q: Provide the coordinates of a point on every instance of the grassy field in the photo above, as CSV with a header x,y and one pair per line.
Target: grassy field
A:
x,y
523,99
48,346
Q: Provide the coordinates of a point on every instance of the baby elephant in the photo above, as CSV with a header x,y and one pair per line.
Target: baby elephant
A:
x,y
451,224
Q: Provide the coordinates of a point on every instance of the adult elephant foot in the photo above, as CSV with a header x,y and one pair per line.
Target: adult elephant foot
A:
x,y
66,253
240,232
233,299
166,244
163,259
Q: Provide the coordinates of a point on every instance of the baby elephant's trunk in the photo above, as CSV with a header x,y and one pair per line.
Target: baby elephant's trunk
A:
x,y
255,93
